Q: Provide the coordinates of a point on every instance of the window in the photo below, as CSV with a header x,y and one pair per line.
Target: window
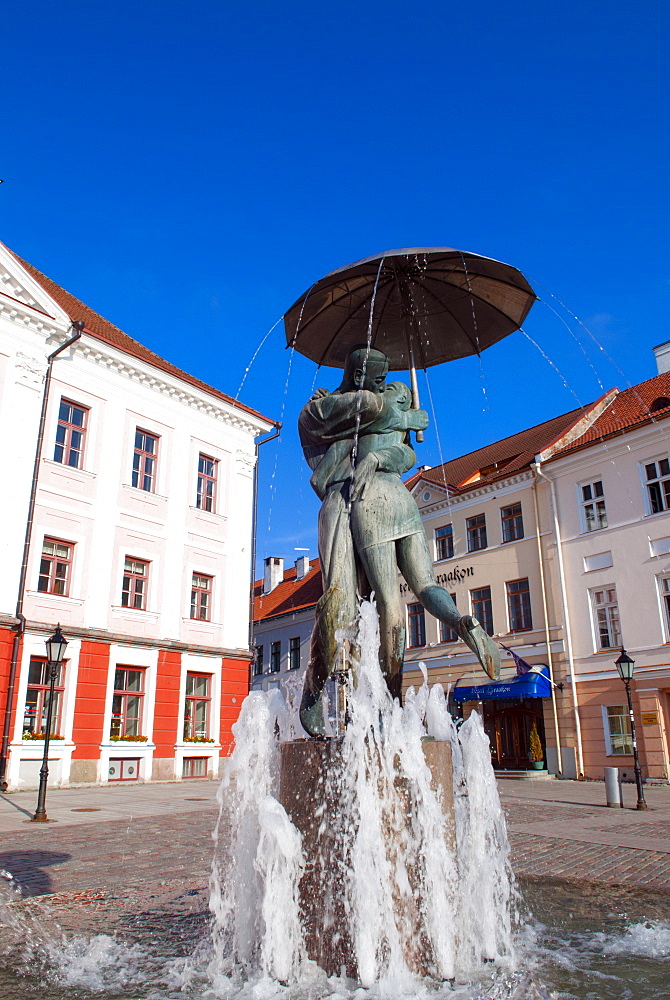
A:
x,y
37,697
444,542
417,624
55,567
135,584
201,597
447,634
194,767
144,461
607,618
196,708
258,665
518,605
275,657
482,609
127,702
206,496
124,770
70,434
665,597
620,738
512,522
294,653
476,532
593,506
658,485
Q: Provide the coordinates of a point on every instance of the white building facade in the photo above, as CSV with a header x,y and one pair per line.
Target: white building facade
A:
x,y
140,533
610,490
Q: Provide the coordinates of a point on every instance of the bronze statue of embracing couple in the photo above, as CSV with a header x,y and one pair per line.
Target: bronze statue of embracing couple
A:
x,y
356,441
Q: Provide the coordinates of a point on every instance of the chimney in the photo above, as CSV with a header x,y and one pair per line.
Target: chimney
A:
x,y
274,573
662,355
301,567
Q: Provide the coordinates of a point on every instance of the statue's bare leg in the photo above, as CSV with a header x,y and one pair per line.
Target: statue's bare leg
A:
x,y
381,569
416,566
335,610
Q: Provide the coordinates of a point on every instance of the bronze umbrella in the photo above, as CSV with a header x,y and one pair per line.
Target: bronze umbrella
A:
x,y
420,306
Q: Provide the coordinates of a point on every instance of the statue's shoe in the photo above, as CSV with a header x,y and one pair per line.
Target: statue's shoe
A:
x,y
481,644
311,717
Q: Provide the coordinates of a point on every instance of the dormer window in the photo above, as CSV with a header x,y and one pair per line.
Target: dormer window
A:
x,y
659,403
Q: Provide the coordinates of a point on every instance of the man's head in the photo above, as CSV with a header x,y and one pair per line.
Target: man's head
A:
x,y
365,368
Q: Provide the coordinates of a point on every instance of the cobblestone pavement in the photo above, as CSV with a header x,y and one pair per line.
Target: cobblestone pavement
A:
x,y
564,830
155,841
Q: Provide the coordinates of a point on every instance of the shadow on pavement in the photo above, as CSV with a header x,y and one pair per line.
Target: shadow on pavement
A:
x,y
26,812
27,869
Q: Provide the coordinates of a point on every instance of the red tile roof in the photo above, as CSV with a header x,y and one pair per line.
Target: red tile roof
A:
x,y
100,328
629,408
502,458
290,594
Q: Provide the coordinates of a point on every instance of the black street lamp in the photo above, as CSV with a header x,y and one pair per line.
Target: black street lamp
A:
x,y
625,665
56,647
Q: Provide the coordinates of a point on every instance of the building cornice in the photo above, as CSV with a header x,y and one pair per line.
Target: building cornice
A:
x,y
120,638
141,373
473,495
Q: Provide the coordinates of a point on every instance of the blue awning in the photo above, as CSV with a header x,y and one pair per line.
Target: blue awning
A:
x,y
533,684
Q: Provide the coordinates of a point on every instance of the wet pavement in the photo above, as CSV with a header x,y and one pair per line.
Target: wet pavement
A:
x,y
565,830
158,838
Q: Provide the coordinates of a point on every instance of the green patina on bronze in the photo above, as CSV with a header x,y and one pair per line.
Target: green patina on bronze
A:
x,y
356,441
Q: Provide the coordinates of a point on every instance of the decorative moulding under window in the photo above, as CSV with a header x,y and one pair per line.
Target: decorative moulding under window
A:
x,y
136,491
43,595
135,614
68,470
659,546
600,560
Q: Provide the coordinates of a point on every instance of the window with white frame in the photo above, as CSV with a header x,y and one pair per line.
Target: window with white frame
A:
x,y
127,702
258,661
197,706
664,583
70,434
511,520
55,567
135,584
518,605
618,736
37,697
144,461
207,476
444,542
657,476
448,634
606,618
416,620
294,653
594,515
201,597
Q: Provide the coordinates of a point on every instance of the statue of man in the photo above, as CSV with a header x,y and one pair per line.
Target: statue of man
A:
x,y
356,442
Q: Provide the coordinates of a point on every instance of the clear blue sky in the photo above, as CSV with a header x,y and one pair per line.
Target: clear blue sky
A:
x,y
190,168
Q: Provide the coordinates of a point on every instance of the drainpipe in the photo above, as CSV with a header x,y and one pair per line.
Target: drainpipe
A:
x,y
271,437
547,636
566,617
78,327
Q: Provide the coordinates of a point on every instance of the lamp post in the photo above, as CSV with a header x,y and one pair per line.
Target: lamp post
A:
x,y
56,646
625,664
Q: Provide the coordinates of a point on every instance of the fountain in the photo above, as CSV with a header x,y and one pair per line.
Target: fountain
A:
x,y
368,858
385,875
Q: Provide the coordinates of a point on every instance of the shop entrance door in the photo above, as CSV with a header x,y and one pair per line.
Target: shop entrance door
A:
x,y
508,723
